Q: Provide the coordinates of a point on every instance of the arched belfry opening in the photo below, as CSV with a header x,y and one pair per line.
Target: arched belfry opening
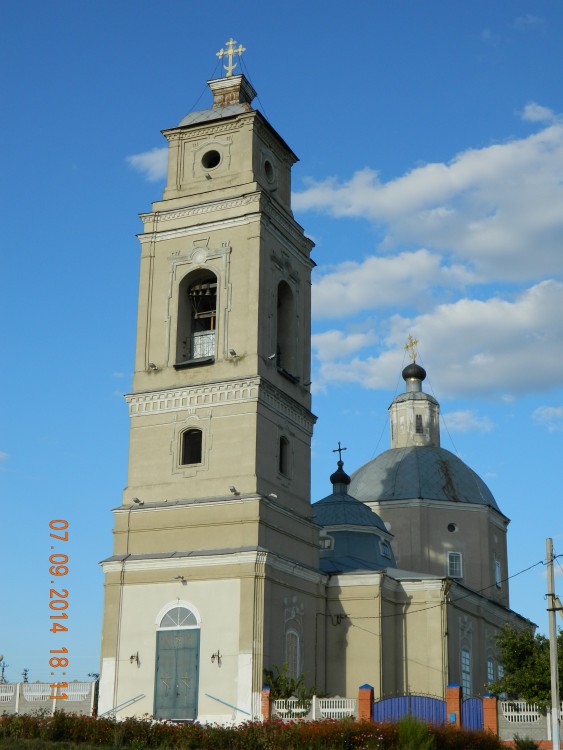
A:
x,y
286,329
197,317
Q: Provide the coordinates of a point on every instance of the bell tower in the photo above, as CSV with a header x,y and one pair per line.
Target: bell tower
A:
x,y
223,338
220,421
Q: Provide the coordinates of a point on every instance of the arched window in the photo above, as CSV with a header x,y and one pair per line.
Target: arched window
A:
x,y
179,617
286,333
197,317
283,458
418,419
293,654
191,447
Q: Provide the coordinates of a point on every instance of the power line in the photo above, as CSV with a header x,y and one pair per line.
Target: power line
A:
x,y
451,601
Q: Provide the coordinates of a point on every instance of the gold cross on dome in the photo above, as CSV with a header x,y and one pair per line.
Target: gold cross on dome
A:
x,y
230,51
411,348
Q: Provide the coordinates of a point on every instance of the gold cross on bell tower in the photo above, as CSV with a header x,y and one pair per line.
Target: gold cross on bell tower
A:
x,y
411,348
229,52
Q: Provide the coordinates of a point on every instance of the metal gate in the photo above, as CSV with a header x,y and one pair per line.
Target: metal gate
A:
x,y
177,672
472,713
426,708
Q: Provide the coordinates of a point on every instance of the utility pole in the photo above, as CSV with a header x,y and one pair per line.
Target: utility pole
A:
x,y
551,609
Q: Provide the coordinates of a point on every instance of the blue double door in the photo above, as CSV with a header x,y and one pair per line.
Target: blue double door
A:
x,y
177,674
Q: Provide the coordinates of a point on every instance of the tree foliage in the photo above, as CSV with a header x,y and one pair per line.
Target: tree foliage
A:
x,y
525,659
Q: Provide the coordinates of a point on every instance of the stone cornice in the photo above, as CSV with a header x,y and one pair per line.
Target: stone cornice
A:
x,y
497,517
228,558
256,202
207,128
219,393
198,209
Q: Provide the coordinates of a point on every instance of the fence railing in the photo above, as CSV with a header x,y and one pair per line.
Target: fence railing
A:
x,y
520,712
291,709
31,697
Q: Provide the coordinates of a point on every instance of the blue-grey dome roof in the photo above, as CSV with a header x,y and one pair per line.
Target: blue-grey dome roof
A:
x,y
425,472
360,540
340,509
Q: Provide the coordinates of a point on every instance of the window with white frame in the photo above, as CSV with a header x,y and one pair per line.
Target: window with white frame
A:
x,y
179,617
466,671
455,567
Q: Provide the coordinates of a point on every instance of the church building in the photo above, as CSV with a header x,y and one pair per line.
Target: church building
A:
x,y
221,565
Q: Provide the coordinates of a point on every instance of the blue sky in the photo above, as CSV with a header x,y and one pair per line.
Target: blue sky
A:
x,y
431,143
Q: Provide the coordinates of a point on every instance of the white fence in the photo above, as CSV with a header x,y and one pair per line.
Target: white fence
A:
x,y
291,709
525,719
31,697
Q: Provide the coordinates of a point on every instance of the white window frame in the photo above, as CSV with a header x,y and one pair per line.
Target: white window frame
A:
x,y
455,565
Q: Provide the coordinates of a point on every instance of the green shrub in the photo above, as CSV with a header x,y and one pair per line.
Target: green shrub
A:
x,y
414,734
524,743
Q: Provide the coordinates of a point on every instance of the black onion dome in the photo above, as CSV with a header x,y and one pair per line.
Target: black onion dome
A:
x,y
414,371
340,476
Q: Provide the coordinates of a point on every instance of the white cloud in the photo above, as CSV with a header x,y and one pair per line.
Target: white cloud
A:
x,y
487,207
332,344
550,417
153,164
406,278
118,374
492,347
533,112
466,421
3,456
524,22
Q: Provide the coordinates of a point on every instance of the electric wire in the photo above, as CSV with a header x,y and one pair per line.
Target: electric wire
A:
x,y
442,418
440,604
204,89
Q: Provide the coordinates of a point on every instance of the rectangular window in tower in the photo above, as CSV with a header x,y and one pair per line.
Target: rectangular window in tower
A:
x,y
419,429
191,442
455,568
498,574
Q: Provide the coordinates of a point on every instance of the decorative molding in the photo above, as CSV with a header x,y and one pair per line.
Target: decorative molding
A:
x,y
293,610
199,209
209,395
214,128
205,395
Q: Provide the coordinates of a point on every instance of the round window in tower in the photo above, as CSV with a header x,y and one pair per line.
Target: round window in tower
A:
x,y
452,527
269,170
211,159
